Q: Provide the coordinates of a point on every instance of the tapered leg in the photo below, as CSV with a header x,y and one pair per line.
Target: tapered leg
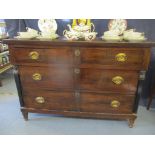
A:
x,y
0,83
25,114
131,122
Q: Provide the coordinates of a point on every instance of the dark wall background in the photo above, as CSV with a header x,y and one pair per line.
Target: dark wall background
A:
x,y
143,25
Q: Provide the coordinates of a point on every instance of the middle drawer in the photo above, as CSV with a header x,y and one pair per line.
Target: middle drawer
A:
x,y
47,77
79,78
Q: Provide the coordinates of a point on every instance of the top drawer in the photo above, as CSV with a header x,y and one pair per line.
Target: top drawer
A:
x,y
136,58
102,58
60,56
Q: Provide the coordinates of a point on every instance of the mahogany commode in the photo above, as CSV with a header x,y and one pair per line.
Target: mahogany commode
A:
x,y
94,79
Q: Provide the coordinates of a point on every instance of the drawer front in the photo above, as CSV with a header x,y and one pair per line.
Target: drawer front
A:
x,y
47,77
49,100
116,57
43,56
106,103
108,80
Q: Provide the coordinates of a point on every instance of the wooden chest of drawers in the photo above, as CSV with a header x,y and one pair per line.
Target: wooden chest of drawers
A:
x,y
85,79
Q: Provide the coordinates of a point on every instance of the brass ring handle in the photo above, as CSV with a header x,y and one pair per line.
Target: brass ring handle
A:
x,y
34,55
40,99
36,77
121,57
115,104
117,80
77,52
76,70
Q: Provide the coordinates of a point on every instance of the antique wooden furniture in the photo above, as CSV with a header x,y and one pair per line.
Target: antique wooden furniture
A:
x,y
4,59
78,78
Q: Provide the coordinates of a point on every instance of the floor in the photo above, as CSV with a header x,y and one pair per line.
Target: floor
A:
x,y
12,122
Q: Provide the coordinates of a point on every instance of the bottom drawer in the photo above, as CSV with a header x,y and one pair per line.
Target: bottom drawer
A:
x,y
81,101
50,100
106,103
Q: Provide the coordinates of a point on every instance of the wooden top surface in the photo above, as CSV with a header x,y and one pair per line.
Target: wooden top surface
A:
x,y
64,42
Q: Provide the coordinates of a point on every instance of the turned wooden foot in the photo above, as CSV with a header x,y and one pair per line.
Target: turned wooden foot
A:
x,y
131,122
25,114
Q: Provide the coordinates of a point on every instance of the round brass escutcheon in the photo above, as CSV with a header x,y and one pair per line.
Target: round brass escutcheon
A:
x,y
121,57
34,55
115,104
76,70
40,99
117,80
77,52
36,76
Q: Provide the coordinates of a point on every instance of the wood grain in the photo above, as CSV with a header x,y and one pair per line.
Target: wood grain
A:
x,y
79,85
